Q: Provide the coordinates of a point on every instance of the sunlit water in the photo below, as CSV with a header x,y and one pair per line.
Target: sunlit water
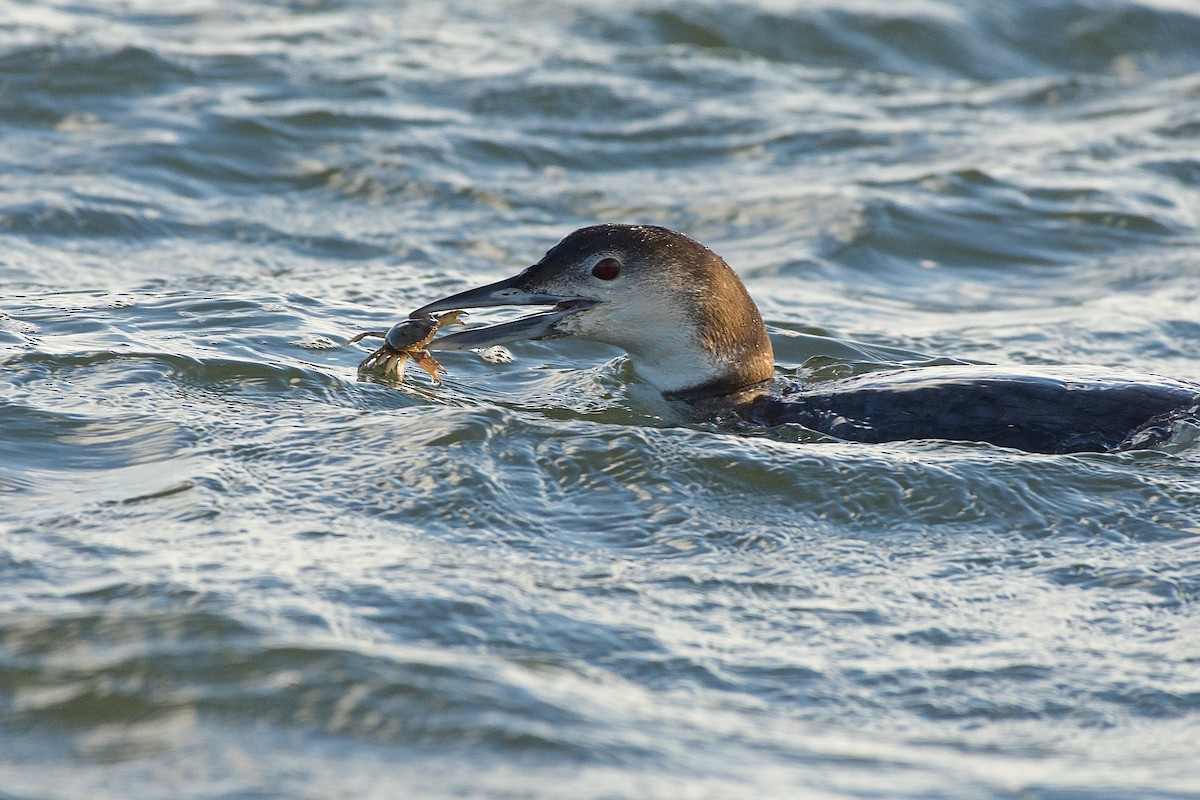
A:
x,y
229,569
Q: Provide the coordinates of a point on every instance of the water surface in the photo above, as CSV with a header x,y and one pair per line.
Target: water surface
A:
x,y
229,567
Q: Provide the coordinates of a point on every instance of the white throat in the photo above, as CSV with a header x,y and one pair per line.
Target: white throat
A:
x,y
676,366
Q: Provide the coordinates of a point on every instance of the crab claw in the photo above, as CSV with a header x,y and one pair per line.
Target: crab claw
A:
x,y
451,318
427,362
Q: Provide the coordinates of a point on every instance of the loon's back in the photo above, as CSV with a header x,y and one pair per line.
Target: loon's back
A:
x,y
1066,410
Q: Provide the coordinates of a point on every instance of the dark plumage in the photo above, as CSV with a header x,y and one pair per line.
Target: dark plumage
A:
x,y
1037,411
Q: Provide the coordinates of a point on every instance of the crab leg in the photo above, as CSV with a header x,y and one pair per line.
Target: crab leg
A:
x,y
363,335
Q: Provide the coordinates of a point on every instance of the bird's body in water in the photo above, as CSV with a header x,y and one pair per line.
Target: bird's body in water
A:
x,y
692,331
1042,411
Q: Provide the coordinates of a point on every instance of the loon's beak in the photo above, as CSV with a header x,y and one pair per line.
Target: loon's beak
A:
x,y
507,292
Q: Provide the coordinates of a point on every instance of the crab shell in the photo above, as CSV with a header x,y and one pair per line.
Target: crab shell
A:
x,y
416,331
413,333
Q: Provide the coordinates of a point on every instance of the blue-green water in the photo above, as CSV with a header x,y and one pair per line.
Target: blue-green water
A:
x,y
229,569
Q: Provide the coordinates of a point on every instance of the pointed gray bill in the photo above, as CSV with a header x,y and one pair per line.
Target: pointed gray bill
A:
x,y
507,292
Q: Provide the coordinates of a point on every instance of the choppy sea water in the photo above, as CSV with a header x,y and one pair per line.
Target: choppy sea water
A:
x,y
230,569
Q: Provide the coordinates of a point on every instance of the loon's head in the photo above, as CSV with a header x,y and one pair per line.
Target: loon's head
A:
x,y
678,310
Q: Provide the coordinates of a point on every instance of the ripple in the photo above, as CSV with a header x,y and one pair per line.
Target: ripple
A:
x,y
58,76
65,443
982,42
87,219
146,677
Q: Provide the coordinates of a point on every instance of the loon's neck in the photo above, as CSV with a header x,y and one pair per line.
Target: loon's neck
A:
x,y
721,392
698,376
717,350
716,383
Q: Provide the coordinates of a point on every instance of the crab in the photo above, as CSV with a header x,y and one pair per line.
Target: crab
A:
x,y
407,340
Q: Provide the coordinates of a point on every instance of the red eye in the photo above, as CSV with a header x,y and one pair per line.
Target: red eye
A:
x,y
606,269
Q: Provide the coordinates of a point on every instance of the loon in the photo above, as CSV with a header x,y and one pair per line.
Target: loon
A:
x,y
692,332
